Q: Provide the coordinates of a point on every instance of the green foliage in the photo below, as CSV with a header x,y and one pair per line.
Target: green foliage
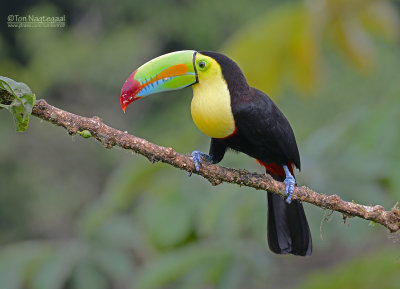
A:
x,y
86,276
171,209
18,99
380,268
116,221
208,260
288,46
55,271
287,42
18,262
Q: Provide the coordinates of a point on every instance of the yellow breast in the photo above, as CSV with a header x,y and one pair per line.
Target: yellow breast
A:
x,y
211,106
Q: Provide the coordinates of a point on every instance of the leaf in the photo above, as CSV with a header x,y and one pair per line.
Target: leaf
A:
x,y
120,191
174,265
381,18
286,42
233,275
377,270
18,262
120,231
85,276
168,221
283,45
56,271
114,262
18,99
6,98
354,42
211,211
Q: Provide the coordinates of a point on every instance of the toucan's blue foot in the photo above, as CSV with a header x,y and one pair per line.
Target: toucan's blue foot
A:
x,y
196,156
289,182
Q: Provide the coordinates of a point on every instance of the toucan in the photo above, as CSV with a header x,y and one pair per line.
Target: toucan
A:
x,y
236,116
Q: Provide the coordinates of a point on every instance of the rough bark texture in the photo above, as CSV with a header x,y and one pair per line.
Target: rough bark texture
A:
x,y
215,174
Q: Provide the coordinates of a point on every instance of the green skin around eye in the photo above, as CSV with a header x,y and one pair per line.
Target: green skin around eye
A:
x,y
202,65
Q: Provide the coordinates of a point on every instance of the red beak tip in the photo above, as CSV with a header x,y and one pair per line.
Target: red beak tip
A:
x,y
123,108
128,92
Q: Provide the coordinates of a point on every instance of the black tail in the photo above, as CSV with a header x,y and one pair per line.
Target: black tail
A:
x,y
288,231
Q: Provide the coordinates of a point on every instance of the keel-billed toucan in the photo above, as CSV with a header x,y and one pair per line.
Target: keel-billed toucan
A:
x,y
238,117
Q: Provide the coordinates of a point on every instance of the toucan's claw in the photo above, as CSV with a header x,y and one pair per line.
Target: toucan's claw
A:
x,y
289,182
196,156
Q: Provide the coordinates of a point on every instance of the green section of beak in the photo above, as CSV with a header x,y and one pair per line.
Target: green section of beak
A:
x,y
171,71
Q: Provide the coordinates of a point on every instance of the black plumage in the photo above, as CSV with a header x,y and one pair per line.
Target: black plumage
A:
x,y
264,133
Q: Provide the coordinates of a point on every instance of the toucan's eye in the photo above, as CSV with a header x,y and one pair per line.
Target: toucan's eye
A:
x,y
202,64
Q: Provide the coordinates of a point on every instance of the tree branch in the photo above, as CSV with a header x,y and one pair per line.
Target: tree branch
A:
x,y
215,174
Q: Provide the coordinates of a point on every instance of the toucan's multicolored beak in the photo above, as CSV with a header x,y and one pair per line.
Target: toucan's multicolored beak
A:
x,y
170,71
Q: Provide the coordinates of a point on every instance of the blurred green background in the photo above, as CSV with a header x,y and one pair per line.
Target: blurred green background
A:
x,y
76,215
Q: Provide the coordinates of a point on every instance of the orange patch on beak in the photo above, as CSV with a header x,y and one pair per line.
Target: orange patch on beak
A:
x,y
176,70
